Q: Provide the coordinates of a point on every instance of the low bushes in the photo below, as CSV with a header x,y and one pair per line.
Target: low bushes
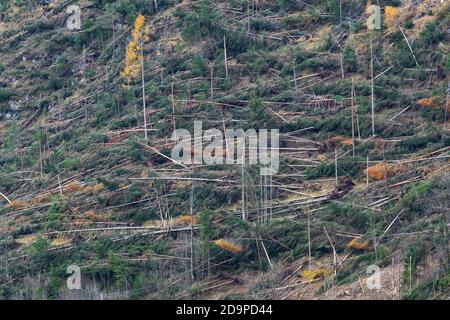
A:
x,y
228,246
6,94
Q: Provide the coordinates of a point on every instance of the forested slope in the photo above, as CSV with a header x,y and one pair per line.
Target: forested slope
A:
x,y
82,185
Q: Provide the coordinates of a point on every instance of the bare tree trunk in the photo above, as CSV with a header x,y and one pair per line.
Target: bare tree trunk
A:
x,y
295,74
59,186
384,167
244,215
270,196
265,252
48,145
357,123
113,38
336,166
367,171
143,92
173,108
446,115
84,83
5,197
353,118
192,231
261,200
248,16
334,251
212,82
40,157
372,91
410,273
309,238
225,56
445,122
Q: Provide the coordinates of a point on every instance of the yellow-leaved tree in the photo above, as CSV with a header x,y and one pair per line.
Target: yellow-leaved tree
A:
x,y
133,56
390,16
134,60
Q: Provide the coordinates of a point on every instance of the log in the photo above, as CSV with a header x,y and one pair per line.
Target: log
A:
x,y
390,225
120,229
409,46
6,198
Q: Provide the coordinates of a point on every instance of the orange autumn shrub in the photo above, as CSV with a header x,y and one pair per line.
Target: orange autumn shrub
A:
x,y
377,171
357,245
185,219
433,102
347,142
227,246
425,102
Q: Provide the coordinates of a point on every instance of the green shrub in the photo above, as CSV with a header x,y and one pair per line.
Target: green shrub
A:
x,y
71,164
350,60
203,22
412,258
199,68
352,167
431,34
6,94
415,143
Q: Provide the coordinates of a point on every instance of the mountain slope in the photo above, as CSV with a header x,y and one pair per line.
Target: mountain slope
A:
x,y
80,184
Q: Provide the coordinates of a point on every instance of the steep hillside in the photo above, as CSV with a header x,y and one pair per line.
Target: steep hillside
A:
x,y
88,178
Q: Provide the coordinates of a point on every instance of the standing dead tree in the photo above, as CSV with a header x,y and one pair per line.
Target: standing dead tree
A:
x,y
225,57
244,214
309,238
353,118
371,85
85,84
191,207
143,91
173,108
